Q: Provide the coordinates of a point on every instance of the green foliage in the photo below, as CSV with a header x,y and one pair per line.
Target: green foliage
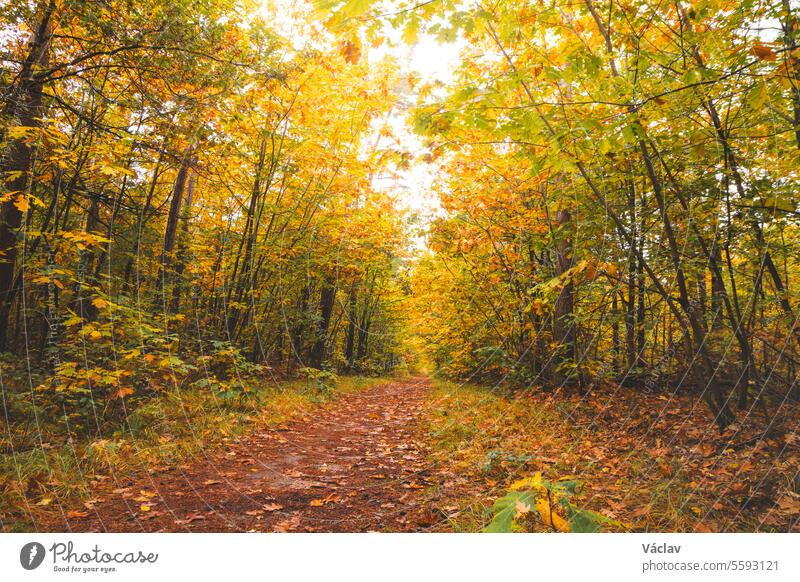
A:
x,y
323,382
180,237
538,495
606,213
508,508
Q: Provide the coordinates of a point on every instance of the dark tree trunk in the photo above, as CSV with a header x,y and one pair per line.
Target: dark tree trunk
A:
x,y
24,107
171,230
717,290
327,297
630,313
182,254
298,331
352,315
563,323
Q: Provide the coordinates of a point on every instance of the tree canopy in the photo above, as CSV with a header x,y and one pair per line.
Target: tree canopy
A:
x,y
192,198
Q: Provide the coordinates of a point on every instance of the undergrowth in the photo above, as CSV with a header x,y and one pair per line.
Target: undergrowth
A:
x,y
45,466
484,441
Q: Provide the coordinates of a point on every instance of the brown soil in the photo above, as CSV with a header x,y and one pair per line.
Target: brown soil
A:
x,y
354,466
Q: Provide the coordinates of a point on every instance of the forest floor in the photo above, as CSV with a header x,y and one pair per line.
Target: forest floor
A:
x,y
653,461
420,455
353,466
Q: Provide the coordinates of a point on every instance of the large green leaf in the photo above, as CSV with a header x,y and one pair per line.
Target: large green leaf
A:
x,y
507,508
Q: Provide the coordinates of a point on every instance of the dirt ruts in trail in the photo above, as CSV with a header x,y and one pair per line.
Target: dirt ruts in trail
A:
x,y
352,466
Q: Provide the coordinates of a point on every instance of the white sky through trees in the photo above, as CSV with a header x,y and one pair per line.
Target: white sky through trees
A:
x,y
426,62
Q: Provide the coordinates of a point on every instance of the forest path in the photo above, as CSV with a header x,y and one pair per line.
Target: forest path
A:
x,y
352,466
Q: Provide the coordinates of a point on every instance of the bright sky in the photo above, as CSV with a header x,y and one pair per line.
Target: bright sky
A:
x,y
429,61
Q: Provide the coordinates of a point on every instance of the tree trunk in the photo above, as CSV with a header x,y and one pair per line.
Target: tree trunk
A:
x,y
24,107
182,254
171,230
327,297
352,314
563,323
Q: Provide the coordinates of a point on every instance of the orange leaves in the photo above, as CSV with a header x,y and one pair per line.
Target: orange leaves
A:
x,y
287,525
122,392
763,51
21,200
100,303
549,517
22,204
350,50
192,517
267,507
324,501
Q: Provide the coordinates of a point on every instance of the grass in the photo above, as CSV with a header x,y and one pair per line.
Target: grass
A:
x,y
483,440
631,468
171,429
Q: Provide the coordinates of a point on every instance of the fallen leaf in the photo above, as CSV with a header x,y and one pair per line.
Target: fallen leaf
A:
x,y
287,525
190,519
144,496
325,501
521,508
789,505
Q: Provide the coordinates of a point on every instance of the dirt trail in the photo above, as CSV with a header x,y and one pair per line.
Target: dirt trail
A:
x,y
354,466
